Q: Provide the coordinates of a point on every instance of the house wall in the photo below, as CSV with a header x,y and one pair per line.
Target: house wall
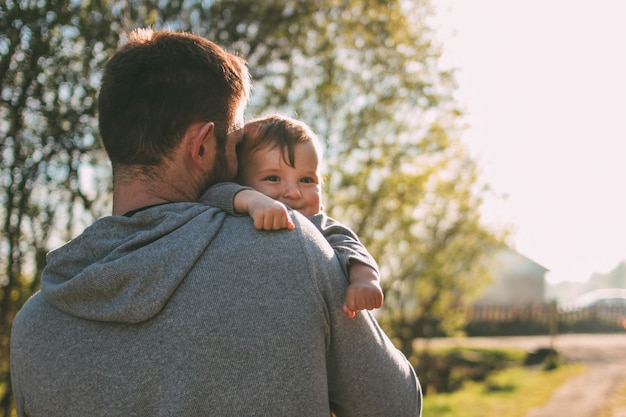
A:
x,y
516,280
514,290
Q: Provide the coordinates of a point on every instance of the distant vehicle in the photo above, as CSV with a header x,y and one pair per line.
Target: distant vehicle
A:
x,y
607,304
605,297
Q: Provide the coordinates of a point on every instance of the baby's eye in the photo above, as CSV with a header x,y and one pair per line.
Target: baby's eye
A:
x,y
272,178
308,180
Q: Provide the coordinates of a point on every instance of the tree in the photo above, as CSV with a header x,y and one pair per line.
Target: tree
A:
x,y
365,76
362,73
47,95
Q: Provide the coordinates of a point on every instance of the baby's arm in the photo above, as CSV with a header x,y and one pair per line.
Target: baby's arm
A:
x,y
364,291
268,214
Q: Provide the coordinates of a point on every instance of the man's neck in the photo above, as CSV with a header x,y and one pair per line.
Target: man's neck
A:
x,y
134,196
173,181
138,193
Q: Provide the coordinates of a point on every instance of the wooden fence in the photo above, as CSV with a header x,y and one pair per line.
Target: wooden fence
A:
x,y
544,318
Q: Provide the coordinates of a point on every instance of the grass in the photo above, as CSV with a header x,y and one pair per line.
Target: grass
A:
x,y
447,369
616,405
507,393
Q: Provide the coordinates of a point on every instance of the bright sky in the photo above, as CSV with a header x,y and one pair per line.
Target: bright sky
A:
x,y
544,86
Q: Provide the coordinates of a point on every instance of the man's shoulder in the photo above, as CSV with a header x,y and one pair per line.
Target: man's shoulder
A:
x,y
308,231
30,315
304,237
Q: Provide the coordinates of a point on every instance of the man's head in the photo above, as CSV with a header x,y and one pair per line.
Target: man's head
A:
x,y
158,85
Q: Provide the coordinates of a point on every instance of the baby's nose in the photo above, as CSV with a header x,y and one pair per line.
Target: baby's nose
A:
x,y
292,191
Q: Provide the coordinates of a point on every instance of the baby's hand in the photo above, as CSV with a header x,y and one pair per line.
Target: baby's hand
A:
x,y
267,213
364,291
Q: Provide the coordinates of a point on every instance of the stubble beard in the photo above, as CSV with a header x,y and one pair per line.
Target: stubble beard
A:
x,y
223,170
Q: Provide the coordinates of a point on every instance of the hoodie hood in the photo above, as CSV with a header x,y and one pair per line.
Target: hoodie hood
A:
x,y
125,269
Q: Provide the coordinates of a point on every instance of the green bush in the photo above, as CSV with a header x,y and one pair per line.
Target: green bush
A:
x,y
447,370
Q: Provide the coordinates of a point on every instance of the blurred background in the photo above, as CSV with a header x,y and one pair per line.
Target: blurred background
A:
x,y
476,147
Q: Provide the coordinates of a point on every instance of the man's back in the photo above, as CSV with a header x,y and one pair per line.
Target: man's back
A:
x,y
200,314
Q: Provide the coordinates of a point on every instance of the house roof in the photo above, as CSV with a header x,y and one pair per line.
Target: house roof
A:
x,y
513,261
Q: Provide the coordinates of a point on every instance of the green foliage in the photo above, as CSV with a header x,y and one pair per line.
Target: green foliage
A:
x,y
363,74
397,171
447,370
511,392
47,92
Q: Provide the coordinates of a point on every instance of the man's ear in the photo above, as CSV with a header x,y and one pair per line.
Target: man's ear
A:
x,y
202,142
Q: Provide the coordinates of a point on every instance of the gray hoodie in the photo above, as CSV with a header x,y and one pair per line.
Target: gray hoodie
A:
x,y
182,310
344,241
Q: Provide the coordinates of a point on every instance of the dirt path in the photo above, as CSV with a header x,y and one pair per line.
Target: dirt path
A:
x,y
584,395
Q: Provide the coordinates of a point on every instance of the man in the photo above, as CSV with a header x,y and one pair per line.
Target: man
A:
x,y
172,308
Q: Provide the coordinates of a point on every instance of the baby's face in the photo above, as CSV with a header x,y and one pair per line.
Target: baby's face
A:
x,y
265,170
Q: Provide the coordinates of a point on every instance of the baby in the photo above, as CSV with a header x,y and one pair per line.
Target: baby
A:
x,y
279,161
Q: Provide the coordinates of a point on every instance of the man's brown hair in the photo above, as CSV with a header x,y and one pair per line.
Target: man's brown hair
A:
x,y
157,85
